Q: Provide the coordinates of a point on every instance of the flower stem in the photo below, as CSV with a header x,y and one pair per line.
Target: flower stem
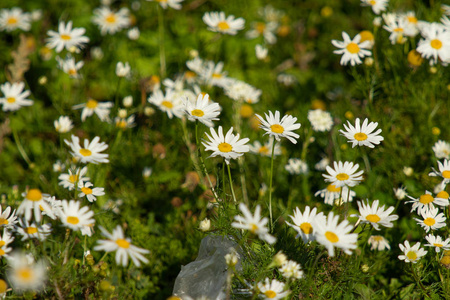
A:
x,y
162,54
20,147
270,185
416,277
231,184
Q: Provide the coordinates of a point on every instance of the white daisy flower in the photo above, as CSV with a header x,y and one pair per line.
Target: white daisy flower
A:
x,y
69,180
134,33
411,28
261,52
446,9
411,254
33,231
266,149
376,215
377,5
167,103
242,91
396,25
267,30
378,242
432,219
63,124
34,202
76,218
124,123
91,151
304,223
426,201
296,166
332,195
123,69
444,172
197,65
437,242
352,50
291,269
6,238
101,109
7,219
58,166
14,18
66,37
436,43
322,164
56,206
69,66
272,289
25,274
320,120
276,128
175,4
109,21
201,110
213,75
254,224
331,234
217,22
343,174
123,247
228,146
89,191
441,149
14,97
362,135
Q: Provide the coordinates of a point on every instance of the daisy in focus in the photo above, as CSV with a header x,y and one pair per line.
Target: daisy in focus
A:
x,y
331,234
217,22
202,111
432,219
378,242
101,109
441,149
90,192
376,215
437,242
14,97
272,289
69,180
254,224
167,103
277,129
377,5
7,219
305,222
90,153
63,124
109,21
34,203
332,195
33,231
66,37
411,254
69,66
175,4
426,201
228,146
444,172
435,44
77,218
116,241
25,274
362,135
343,174
14,18
352,50
396,25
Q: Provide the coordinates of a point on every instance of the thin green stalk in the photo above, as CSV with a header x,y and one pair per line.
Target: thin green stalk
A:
x,y
162,54
270,185
116,93
223,180
231,184
417,279
20,147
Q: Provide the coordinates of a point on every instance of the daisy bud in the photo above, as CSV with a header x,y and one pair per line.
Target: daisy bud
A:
x,y
368,61
128,101
408,171
400,193
231,259
279,259
433,70
377,21
122,113
122,69
205,225
43,80
149,111
365,268
133,33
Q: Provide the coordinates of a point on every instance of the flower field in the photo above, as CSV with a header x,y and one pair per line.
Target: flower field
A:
x,y
203,150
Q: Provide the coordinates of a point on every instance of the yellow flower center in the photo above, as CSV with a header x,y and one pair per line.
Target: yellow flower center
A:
x,y
332,237
425,199
260,27
377,238
446,174
429,221
225,147
91,104
12,21
111,19
438,245
332,188
25,274
86,190
412,19
34,195
223,25
246,111
436,44
73,220
121,124
372,2
198,113
414,58
85,152
73,178
3,286
411,255
263,150
306,228
366,35
31,230
217,75
342,176
2,243
72,72
353,48
3,221
373,218
189,74
2,252
360,136
441,194
10,99
122,243
253,228
277,128
65,37
398,29
270,294
167,104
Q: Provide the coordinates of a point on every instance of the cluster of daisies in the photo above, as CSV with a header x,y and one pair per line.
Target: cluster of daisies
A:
x,y
434,44
39,213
